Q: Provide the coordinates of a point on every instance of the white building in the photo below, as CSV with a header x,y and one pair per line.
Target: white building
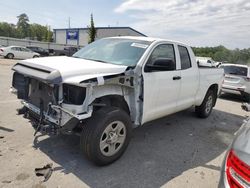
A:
x,y
79,36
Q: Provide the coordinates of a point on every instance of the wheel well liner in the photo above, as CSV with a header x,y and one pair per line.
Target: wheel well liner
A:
x,y
111,100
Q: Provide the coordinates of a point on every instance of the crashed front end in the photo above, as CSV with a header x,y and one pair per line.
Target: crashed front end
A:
x,y
52,106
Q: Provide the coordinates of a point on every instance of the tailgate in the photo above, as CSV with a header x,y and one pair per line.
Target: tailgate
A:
x,y
234,81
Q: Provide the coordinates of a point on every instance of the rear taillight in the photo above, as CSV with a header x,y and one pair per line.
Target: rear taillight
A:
x,y
237,172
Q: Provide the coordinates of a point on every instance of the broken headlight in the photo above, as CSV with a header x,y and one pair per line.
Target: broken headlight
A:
x,y
73,94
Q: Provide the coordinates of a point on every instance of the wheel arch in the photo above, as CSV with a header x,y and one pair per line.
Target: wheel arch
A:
x,y
111,95
11,54
201,95
111,100
214,88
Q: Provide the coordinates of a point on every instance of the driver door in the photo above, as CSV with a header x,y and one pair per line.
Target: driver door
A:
x,y
161,87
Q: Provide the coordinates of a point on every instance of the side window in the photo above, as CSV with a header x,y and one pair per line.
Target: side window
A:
x,y
185,58
24,50
15,49
162,51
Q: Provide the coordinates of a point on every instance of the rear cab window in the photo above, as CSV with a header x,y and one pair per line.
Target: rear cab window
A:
x,y
184,57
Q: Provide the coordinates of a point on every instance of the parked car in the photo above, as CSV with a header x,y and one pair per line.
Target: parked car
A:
x,y
41,51
235,171
111,86
237,80
18,52
67,51
207,62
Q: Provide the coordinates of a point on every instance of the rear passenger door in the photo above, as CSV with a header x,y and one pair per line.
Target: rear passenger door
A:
x,y
26,53
189,79
17,52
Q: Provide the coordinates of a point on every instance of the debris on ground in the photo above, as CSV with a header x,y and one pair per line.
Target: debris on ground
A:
x,y
1,137
21,110
45,171
6,181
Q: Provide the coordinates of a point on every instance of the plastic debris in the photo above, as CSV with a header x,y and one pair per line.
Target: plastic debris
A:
x,y
45,171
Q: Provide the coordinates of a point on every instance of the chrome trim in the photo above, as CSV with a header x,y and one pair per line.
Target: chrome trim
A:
x,y
238,178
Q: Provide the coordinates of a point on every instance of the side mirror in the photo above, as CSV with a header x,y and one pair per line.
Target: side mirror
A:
x,y
161,64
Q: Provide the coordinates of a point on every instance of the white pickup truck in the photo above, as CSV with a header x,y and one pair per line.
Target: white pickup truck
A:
x,y
111,86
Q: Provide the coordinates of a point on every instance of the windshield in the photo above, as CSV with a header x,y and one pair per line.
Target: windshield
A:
x,y
114,50
235,70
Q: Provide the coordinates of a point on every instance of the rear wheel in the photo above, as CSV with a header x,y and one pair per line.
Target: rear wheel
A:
x,y
205,109
35,56
106,135
10,56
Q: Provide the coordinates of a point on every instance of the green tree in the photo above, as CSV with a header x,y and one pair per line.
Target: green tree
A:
x,y
220,53
24,29
40,32
8,30
23,26
49,35
92,30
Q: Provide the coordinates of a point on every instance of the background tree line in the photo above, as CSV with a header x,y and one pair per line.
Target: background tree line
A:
x,y
23,29
222,54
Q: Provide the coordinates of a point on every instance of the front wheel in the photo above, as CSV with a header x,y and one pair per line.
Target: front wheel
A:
x,y
205,109
106,135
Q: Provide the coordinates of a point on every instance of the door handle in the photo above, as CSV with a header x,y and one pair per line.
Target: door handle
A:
x,y
176,78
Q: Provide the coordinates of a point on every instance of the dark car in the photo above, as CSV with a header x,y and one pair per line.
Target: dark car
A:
x,y
67,51
41,51
235,171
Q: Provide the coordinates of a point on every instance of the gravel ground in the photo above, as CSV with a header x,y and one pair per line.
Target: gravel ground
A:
x,y
177,151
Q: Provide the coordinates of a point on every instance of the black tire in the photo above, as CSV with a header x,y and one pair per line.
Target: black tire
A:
x,y
10,56
35,56
205,109
94,131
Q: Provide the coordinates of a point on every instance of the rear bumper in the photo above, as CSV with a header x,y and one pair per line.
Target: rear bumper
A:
x,y
233,90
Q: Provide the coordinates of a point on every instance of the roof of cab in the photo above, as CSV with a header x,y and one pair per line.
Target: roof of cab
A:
x,y
150,39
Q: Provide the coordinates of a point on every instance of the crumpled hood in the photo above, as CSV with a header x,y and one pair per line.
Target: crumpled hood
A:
x,y
66,69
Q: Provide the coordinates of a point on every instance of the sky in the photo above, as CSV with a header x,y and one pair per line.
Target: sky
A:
x,y
195,22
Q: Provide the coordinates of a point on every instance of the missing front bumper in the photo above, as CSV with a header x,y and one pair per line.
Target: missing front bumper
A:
x,y
63,122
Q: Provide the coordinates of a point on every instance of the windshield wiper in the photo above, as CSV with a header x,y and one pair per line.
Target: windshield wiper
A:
x,y
100,61
96,60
